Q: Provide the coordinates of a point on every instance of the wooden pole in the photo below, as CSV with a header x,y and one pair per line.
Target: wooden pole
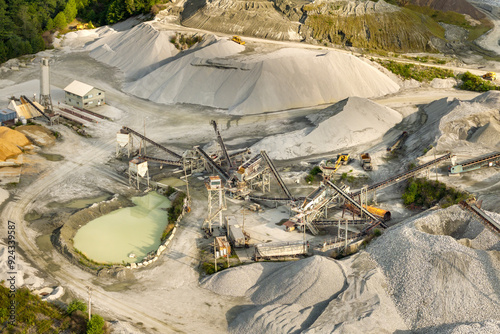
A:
x,y
215,255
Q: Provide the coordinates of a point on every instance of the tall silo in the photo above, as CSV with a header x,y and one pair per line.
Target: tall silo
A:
x,y
45,98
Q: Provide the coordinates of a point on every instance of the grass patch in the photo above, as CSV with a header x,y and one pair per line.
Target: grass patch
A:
x,y
425,193
314,175
416,72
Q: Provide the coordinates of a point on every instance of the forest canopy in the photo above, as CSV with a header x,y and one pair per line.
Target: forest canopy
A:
x,y
22,22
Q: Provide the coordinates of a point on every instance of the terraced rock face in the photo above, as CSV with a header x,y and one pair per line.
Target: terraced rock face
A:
x,y
361,23
256,18
367,24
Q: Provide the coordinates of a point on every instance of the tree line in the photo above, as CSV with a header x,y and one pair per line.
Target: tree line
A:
x,y
22,22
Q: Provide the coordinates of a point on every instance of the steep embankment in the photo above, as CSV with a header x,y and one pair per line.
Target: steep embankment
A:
x,y
458,6
289,78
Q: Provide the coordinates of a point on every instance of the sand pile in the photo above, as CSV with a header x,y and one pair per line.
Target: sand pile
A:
x,y
351,122
10,143
434,279
136,52
284,79
475,121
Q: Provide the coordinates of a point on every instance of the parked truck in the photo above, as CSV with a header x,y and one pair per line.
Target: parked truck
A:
x,y
366,161
234,232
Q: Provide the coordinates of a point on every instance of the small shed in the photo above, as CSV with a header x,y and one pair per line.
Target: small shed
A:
x,y
289,226
81,95
7,115
222,246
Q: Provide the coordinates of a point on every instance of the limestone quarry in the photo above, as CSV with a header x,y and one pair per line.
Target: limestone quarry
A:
x,y
266,161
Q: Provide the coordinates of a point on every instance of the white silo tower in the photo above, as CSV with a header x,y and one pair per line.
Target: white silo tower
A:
x,y
45,98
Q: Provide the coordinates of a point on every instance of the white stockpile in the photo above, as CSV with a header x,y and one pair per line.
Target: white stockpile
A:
x,y
136,52
212,74
432,277
348,123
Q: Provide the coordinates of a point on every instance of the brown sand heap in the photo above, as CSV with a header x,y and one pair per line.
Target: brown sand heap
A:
x,y
10,143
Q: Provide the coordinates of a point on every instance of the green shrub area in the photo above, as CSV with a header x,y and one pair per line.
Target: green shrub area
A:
x,y
36,316
476,83
426,193
417,72
174,211
313,174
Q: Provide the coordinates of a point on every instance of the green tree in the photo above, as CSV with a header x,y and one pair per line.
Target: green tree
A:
x,y
116,12
76,305
50,25
70,11
95,325
60,21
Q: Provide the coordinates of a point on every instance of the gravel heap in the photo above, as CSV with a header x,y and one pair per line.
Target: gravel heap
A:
x,y
434,279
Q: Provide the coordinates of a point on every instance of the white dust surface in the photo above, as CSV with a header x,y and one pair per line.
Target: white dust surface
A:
x,y
350,122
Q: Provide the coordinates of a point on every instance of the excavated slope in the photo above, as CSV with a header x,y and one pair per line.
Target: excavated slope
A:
x,y
459,6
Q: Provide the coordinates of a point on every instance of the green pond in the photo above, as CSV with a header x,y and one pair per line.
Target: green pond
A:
x,y
135,230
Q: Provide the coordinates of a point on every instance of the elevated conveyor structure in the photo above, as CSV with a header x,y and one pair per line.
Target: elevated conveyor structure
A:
x,y
172,153
162,161
276,175
209,160
483,218
488,160
326,222
356,204
221,143
24,99
403,176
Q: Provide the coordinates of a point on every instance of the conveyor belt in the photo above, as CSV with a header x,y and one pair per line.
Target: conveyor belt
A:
x,y
129,130
34,106
74,113
221,143
403,176
251,161
209,160
276,175
356,204
162,161
484,219
475,163
326,222
93,113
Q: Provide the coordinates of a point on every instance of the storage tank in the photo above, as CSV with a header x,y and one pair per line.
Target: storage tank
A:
x,y
45,78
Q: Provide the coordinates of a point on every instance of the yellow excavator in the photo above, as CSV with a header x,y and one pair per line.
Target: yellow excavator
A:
x,y
490,76
237,39
328,168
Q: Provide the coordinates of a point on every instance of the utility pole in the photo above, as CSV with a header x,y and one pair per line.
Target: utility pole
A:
x,y
215,255
89,290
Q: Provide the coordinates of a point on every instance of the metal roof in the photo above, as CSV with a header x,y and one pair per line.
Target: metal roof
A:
x,y
78,88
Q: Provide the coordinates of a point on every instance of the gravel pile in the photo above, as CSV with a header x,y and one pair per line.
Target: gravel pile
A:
x,y
485,327
433,279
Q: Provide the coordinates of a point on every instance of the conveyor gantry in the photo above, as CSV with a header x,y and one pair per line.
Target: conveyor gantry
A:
x,y
221,143
25,99
484,219
276,175
326,222
376,220
403,176
209,160
476,163
129,130
162,161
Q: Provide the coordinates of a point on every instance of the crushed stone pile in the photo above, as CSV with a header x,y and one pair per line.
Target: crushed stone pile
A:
x,y
136,52
11,142
484,327
361,120
433,278
216,76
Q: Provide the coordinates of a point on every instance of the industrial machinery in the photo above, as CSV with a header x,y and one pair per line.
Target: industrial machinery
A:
x,y
377,212
490,76
237,39
489,160
366,161
329,168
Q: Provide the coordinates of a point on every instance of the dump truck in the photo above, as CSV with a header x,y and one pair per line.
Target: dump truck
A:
x,y
237,39
366,161
490,76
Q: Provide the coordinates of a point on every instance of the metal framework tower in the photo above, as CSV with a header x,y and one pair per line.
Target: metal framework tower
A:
x,y
137,171
45,98
216,201
124,143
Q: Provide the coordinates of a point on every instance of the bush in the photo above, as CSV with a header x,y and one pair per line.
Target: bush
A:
x,y
76,305
419,73
425,193
315,171
95,325
475,83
